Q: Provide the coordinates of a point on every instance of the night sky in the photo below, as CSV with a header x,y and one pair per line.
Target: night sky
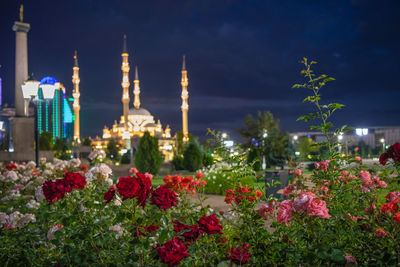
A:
x,y
242,56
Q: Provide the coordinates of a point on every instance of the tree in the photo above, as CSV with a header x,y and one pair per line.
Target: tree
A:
x,y
46,141
177,162
253,158
263,133
192,157
87,141
307,147
112,149
148,157
60,147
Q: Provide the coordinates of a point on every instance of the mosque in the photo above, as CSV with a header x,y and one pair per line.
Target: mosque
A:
x,y
135,121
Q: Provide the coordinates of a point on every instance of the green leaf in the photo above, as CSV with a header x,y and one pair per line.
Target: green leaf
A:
x,y
223,264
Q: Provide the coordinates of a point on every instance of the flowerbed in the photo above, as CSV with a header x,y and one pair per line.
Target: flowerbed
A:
x,y
64,214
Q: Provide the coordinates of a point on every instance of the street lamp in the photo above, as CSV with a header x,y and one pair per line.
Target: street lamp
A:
x,y
224,135
30,90
265,135
383,144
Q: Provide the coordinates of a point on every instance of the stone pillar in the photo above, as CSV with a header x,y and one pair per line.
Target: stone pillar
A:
x,y
21,63
22,131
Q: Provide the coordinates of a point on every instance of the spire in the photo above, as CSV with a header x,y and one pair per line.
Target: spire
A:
x,y
136,89
76,59
184,62
124,50
136,73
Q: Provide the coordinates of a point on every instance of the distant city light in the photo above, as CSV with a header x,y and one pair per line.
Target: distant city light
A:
x,y
224,135
295,137
361,131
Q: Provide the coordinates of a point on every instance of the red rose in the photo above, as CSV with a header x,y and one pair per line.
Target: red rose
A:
x,y
128,187
11,166
396,217
210,224
53,191
172,252
190,232
199,175
83,168
393,197
390,207
163,197
144,230
145,188
240,255
383,158
379,232
109,195
74,180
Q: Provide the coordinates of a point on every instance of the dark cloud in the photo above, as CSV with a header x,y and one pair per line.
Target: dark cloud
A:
x,y
242,57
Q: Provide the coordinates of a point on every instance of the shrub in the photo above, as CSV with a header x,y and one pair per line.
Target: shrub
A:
x,y
208,160
126,158
177,162
148,157
192,157
253,159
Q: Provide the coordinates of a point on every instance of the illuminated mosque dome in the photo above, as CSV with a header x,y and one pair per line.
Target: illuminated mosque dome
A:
x,y
48,80
139,111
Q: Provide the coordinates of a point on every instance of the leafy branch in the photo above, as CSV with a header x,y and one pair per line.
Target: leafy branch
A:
x,y
323,112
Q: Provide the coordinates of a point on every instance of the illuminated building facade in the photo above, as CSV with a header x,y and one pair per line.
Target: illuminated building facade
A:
x,y
135,121
54,116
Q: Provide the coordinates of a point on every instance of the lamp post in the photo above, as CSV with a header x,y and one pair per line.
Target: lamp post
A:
x,y
265,135
383,144
30,90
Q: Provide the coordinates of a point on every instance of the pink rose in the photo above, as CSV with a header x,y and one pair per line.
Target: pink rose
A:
x,y
345,173
350,258
365,178
133,170
288,190
266,210
382,184
317,207
357,158
285,212
380,233
365,189
298,172
300,203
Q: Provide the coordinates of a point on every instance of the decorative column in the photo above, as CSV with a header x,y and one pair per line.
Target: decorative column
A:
x,y
136,90
21,126
21,62
76,94
125,81
184,96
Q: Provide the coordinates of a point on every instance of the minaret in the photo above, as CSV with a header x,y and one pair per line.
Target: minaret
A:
x,y
125,80
76,95
184,96
136,90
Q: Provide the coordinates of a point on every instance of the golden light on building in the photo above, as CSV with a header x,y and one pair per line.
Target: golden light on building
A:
x,y
125,80
137,120
76,95
185,97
